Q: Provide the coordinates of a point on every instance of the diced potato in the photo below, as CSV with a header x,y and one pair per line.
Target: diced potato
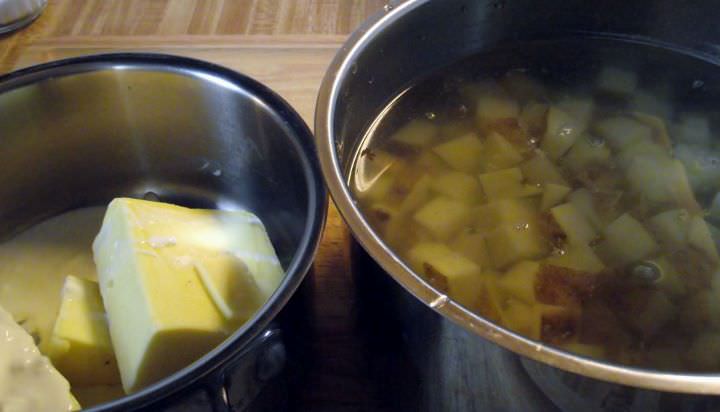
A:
x,y
648,311
509,212
704,352
472,91
519,281
700,238
671,228
617,81
510,244
584,349
582,200
693,128
651,104
521,318
418,195
552,195
431,163
471,244
621,131
579,107
661,181
443,216
489,303
455,129
540,170
493,107
502,184
702,166
561,132
578,257
375,176
558,324
416,133
533,118
499,153
461,274
562,286
457,185
585,152
626,240
640,148
463,153
578,229
660,135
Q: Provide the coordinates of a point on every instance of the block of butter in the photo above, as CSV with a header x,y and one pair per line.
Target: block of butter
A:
x,y
176,282
28,381
80,342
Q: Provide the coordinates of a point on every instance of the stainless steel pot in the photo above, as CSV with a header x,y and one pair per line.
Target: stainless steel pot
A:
x,y
78,132
412,39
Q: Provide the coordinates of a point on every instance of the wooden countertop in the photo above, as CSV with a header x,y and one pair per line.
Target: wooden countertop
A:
x,y
287,45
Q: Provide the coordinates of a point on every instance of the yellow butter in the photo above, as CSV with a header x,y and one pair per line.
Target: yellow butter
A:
x,y
80,342
176,282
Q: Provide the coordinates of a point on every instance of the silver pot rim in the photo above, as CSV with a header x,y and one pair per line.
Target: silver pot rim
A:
x,y
338,71
212,365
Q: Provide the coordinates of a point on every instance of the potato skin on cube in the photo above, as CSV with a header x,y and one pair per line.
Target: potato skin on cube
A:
x,y
460,275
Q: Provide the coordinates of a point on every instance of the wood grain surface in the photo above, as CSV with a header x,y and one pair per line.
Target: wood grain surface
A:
x,y
287,45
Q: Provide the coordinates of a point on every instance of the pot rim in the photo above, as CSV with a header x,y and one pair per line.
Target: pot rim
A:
x,y
337,73
300,137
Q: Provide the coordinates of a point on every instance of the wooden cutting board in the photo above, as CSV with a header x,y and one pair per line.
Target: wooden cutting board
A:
x,y
285,44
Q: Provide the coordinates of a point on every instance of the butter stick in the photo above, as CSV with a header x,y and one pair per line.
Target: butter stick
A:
x,y
176,282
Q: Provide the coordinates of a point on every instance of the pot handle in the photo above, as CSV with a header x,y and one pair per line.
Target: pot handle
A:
x,y
247,375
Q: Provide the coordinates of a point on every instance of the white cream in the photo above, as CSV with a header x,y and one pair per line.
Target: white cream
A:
x,y
28,381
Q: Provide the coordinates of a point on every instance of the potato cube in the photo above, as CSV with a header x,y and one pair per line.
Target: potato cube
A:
x,y
457,185
463,153
416,133
577,228
578,257
521,318
622,131
582,200
508,212
561,132
579,107
471,244
693,128
641,148
519,281
533,118
540,170
671,228
661,180
461,275
443,216
670,280
499,153
502,183
700,238
493,107
552,195
489,304
587,151
627,240
431,163
651,104
562,286
418,195
617,81
511,244
375,176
